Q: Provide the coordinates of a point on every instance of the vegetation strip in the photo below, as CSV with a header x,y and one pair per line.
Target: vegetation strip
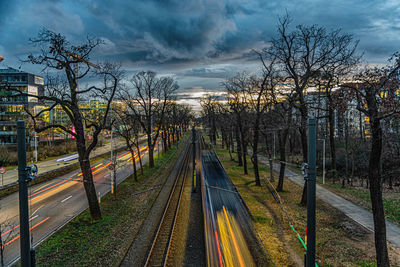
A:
x,y
110,237
340,241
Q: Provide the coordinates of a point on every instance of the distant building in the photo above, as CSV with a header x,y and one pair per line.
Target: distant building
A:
x,y
12,106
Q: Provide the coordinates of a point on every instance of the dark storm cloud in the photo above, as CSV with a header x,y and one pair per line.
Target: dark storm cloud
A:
x,y
191,39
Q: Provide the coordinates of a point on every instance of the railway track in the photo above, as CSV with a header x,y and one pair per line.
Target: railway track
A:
x,y
162,243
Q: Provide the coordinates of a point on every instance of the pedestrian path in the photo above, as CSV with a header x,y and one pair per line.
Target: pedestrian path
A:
x,y
11,176
356,213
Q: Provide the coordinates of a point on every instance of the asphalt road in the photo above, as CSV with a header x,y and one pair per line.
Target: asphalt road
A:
x,y
55,203
11,176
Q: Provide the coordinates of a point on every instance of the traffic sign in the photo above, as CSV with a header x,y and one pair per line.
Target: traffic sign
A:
x,y
111,167
2,170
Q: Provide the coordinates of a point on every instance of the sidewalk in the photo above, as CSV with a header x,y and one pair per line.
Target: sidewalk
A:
x,y
11,176
356,213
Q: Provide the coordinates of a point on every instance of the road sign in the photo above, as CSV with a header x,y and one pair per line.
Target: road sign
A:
x,y
2,170
111,167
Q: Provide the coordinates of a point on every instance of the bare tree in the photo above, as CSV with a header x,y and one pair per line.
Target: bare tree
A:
x,y
62,91
148,100
377,97
210,107
303,54
238,102
128,128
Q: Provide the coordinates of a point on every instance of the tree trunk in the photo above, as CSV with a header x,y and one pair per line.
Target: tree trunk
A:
x,y
164,138
84,163
90,189
150,147
239,146
245,171
231,141
255,149
282,138
151,156
169,139
304,145
374,177
133,163
140,158
332,141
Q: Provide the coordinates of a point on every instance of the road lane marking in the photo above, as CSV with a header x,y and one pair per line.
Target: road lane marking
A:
x,y
37,210
62,201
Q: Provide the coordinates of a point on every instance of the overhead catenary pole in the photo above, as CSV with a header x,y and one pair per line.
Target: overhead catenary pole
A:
x,y
194,159
312,140
36,152
323,159
111,156
23,195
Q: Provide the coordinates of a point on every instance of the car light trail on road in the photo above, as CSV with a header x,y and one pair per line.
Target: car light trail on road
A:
x,y
16,227
64,181
98,165
30,229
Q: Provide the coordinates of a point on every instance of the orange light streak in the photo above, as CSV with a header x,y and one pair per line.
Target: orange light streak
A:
x,y
30,229
219,251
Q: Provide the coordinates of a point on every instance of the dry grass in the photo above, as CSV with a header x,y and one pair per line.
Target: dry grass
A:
x,y
340,241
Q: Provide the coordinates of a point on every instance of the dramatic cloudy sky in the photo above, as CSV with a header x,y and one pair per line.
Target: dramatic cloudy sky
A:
x,y
199,42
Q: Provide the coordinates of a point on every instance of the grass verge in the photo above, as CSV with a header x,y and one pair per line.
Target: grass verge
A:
x,y
84,242
340,241
361,196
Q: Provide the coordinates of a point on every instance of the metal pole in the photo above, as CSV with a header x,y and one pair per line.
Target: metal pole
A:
x,y
36,154
323,162
194,159
312,140
111,158
23,195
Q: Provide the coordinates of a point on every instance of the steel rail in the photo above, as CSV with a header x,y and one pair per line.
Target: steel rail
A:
x,y
160,244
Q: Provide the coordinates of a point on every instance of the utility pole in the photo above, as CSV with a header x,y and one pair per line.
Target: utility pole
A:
x,y
311,179
194,159
36,152
23,195
112,156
